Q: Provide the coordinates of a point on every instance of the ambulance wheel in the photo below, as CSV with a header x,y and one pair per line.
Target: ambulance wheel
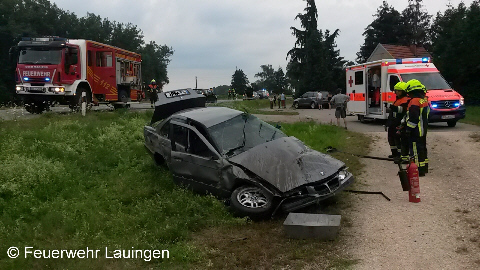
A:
x,y
361,118
452,123
312,105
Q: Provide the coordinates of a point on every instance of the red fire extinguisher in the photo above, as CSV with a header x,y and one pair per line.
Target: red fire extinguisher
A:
x,y
412,173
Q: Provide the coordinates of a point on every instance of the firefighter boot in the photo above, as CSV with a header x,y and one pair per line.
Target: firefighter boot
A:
x,y
421,171
394,153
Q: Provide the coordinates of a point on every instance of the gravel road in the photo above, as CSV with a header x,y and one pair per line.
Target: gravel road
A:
x,y
440,232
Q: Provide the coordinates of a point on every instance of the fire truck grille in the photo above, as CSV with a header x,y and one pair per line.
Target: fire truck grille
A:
x,y
445,104
35,89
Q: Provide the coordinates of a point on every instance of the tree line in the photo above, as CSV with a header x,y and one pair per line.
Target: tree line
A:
x,y
38,18
315,64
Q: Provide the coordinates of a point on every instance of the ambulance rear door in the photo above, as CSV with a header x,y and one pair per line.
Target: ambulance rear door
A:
x,y
356,90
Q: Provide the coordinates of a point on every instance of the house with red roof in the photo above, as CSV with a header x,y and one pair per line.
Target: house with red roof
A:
x,y
387,51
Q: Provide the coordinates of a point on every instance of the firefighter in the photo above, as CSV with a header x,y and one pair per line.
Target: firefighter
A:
x,y
397,111
152,92
416,121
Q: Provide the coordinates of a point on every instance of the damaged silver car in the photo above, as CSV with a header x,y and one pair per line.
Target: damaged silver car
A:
x,y
234,155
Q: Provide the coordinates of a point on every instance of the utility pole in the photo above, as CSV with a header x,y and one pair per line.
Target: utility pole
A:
x,y
196,84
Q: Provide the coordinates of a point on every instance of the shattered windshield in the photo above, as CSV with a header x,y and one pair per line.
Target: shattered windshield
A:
x,y
241,133
432,81
32,56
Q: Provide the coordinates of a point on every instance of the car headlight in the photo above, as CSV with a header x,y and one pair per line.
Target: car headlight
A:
x,y
462,101
19,88
342,174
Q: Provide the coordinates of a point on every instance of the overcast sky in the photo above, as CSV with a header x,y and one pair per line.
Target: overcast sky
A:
x,y
212,37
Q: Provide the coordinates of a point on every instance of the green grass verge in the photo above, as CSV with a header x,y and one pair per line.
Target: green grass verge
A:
x,y
72,182
256,106
68,182
472,115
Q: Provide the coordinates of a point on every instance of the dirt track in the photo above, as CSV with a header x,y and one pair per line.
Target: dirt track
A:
x,y
440,232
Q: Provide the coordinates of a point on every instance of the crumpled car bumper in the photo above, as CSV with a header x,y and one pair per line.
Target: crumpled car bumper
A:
x,y
311,194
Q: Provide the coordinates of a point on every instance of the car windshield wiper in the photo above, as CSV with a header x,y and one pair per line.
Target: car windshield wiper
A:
x,y
230,151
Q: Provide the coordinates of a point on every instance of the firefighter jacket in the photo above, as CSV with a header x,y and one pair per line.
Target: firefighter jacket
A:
x,y
398,111
417,115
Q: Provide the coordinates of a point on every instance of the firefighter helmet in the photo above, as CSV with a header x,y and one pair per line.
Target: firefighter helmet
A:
x,y
414,85
401,86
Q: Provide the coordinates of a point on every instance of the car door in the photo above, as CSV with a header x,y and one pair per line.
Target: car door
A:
x,y
194,161
303,100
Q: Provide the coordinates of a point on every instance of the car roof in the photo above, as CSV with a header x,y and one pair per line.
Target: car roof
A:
x,y
209,116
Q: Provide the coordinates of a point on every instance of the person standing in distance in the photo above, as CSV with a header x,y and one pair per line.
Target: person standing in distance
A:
x,y
340,102
152,92
319,100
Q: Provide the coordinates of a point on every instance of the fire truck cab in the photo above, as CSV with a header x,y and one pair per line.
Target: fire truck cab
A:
x,y
370,88
55,70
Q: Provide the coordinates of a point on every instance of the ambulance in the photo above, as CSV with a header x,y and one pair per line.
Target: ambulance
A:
x,y
370,88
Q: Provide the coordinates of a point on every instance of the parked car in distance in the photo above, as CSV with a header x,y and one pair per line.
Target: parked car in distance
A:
x,y
210,96
308,99
263,94
236,156
254,96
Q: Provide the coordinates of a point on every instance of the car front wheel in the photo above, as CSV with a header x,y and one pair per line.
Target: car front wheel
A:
x,y
295,104
251,201
312,105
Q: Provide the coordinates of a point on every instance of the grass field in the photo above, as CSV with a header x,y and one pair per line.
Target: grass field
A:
x,y
256,106
472,115
72,182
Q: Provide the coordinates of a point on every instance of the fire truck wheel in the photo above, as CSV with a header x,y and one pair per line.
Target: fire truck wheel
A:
x,y
452,123
36,107
76,102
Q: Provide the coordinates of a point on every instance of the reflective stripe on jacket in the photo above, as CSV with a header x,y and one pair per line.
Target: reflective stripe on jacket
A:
x,y
417,115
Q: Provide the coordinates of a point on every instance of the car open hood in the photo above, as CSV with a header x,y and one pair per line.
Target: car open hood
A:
x,y
170,102
287,163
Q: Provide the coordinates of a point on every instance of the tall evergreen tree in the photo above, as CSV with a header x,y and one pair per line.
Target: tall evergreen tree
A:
x,y
280,84
239,82
387,27
308,67
455,39
416,23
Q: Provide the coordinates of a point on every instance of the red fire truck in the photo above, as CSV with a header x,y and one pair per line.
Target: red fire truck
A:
x,y
55,70
370,88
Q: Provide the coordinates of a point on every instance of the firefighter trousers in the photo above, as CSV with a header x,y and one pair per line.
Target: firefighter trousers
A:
x,y
392,140
418,151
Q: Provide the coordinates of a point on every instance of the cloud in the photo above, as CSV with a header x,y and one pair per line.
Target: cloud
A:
x,y
211,38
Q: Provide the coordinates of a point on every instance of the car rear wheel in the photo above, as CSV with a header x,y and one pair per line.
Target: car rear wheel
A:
x,y
312,105
295,105
251,201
